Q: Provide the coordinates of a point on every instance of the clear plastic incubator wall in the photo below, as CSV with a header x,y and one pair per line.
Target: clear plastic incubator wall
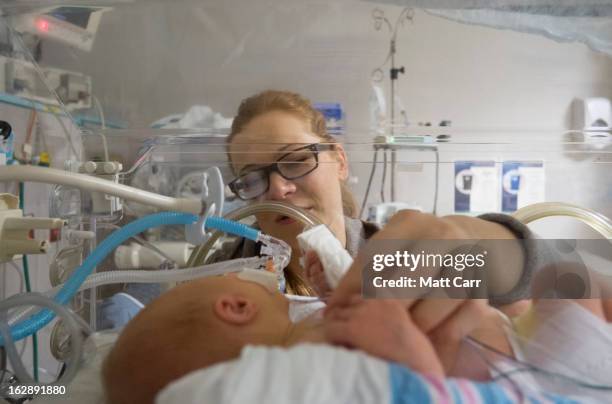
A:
x,y
114,162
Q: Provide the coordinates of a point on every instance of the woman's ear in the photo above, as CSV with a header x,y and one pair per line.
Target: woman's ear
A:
x,y
343,169
234,309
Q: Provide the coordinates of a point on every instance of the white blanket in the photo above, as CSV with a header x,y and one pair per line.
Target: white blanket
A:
x,y
270,375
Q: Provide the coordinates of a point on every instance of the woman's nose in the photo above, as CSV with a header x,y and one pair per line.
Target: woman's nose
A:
x,y
279,188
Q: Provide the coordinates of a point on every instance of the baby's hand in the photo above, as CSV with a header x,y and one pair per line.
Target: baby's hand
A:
x,y
382,328
314,271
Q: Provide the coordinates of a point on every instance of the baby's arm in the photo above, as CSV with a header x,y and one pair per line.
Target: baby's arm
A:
x,y
383,328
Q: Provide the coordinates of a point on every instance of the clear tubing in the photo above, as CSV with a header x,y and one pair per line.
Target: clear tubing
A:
x,y
94,184
138,276
198,256
115,239
596,221
76,339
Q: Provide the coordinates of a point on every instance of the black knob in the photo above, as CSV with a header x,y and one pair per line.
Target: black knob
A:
x,y
5,130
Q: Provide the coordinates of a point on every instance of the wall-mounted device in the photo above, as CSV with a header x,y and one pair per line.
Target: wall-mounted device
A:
x,y
21,78
592,114
74,25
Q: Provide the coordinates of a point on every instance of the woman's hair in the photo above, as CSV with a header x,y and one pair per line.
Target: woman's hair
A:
x,y
273,100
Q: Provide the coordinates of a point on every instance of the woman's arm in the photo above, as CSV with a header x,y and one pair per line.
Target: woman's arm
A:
x,y
505,263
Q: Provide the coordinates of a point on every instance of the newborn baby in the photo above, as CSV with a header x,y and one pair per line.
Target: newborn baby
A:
x,y
207,322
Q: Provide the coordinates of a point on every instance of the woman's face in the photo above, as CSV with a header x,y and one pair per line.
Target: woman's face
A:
x,y
272,135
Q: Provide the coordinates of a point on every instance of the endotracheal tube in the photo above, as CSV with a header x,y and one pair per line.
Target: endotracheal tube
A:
x,y
279,251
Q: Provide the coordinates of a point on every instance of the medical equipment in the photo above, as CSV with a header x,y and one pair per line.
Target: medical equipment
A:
x,y
602,225
21,78
209,204
382,212
136,255
74,25
301,307
6,143
54,176
200,254
393,143
407,14
596,221
14,230
68,290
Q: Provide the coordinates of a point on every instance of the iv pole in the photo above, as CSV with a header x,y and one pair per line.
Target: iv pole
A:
x,y
379,18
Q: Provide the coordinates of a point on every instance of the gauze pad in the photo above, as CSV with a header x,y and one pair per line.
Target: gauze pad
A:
x,y
301,307
264,278
334,258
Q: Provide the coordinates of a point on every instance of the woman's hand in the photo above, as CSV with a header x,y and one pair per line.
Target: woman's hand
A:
x,y
405,225
315,274
445,322
382,328
504,262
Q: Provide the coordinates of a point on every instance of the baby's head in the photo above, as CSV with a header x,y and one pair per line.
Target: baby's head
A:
x,y
194,325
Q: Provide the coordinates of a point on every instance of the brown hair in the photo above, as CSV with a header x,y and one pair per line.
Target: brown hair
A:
x,y
274,100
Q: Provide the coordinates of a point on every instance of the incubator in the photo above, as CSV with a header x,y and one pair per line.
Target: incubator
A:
x,y
117,182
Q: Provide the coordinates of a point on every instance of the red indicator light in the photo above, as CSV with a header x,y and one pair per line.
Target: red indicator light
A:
x,y
42,25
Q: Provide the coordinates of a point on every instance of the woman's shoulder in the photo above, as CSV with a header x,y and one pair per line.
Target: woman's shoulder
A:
x,y
357,232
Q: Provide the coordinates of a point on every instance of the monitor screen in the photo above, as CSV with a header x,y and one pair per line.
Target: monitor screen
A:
x,y
78,16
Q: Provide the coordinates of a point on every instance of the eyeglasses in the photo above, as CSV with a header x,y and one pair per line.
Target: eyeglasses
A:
x,y
293,165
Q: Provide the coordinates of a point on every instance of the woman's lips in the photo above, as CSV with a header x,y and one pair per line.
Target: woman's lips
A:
x,y
283,220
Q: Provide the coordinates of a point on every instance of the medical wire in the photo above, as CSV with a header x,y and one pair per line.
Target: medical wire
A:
x,y
478,347
393,164
372,171
437,182
94,184
532,368
76,339
103,125
19,273
26,275
384,177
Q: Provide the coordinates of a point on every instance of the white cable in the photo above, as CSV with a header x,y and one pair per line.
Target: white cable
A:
x,y
16,267
437,185
103,124
100,112
93,184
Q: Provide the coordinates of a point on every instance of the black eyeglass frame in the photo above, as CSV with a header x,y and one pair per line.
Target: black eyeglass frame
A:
x,y
316,148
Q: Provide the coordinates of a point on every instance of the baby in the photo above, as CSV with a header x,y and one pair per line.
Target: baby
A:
x,y
207,323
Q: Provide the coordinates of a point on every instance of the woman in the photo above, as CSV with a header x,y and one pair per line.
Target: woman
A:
x,y
280,151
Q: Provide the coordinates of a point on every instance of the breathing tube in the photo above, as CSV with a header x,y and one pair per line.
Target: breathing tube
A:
x,y
596,221
115,239
138,276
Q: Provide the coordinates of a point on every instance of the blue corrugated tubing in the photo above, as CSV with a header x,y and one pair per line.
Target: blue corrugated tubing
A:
x,y
231,227
39,320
